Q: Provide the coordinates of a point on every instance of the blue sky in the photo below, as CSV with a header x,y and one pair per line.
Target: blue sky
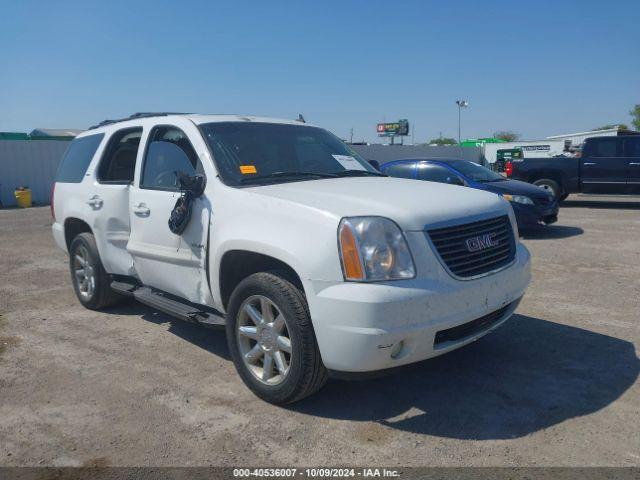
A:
x,y
539,68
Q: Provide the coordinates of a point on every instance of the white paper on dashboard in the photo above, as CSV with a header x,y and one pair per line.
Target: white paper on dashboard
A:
x,y
348,162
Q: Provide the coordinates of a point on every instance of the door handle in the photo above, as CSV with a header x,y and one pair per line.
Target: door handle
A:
x,y
141,209
634,163
95,201
588,163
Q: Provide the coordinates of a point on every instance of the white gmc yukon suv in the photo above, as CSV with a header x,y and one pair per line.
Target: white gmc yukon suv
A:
x,y
314,262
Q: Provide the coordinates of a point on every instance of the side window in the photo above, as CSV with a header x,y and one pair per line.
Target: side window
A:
x,y
400,170
77,158
119,160
632,147
438,173
169,151
605,147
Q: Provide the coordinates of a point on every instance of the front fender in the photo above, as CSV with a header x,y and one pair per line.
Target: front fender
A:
x,y
305,240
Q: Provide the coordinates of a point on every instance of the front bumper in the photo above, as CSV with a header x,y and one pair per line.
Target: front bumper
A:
x,y
529,216
365,327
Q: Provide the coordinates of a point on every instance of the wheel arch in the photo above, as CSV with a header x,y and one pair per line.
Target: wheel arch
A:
x,y
238,264
73,227
550,174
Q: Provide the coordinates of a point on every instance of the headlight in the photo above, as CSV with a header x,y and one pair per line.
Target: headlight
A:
x,y
518,199
374,248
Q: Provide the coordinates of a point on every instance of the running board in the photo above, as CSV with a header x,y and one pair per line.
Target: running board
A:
x,y
171,305
124,288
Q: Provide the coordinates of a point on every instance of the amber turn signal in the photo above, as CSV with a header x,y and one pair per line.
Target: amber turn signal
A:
x,y
350,254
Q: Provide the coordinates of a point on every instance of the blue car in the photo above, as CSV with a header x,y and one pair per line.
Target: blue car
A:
x,y
532,205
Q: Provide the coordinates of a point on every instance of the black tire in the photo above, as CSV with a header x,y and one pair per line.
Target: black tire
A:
x,y
306,373
102,294
550,185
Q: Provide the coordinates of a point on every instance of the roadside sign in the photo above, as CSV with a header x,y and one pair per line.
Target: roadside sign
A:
x,y
394,129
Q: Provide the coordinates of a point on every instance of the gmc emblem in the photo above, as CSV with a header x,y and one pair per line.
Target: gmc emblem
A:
x,y
488,240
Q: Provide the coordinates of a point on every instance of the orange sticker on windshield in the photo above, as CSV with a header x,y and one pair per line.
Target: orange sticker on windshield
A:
x,y
245,169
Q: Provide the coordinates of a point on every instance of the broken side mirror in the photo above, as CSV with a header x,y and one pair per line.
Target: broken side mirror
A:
x,y
191,183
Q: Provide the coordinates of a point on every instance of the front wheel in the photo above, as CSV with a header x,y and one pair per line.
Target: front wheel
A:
x,y
271,339
549,185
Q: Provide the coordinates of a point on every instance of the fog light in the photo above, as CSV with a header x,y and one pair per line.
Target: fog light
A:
x,y
397,349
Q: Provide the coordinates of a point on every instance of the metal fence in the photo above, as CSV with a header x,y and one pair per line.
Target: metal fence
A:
x,y
29,163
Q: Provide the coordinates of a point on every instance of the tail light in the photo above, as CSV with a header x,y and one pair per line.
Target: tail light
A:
x,y
508,168
53,191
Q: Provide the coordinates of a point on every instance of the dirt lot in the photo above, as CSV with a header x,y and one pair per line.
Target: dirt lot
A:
x,y
557,385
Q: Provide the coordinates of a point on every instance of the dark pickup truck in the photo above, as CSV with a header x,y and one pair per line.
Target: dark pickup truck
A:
x,y
607,165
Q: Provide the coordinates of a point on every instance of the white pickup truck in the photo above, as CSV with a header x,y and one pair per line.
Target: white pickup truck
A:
x,y
314,262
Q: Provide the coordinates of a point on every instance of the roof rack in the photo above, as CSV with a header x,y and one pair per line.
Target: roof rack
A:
x,y
135,116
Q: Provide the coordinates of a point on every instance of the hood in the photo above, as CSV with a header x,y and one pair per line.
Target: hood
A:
x,y
515,187
414,205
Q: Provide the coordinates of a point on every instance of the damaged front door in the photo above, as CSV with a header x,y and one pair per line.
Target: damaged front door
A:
x,y
173,263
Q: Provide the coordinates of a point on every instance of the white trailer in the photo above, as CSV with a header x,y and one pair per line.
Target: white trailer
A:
x,y
576,139
537,148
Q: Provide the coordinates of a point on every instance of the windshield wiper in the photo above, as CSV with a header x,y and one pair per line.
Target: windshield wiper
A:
x,y
291,174
296,174
358,173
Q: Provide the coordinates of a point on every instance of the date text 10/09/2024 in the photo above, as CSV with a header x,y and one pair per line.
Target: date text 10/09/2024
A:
x,y
316,472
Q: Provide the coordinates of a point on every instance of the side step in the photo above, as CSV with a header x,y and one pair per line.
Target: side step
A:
x,y
171,305
123,288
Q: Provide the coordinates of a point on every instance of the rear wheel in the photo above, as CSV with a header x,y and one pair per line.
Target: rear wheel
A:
x,y
271,339
90,282
550,186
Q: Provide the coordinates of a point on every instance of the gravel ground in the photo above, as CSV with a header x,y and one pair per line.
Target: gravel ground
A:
x,y
556,385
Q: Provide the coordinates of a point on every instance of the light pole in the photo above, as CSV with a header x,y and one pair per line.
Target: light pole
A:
x,y
461,104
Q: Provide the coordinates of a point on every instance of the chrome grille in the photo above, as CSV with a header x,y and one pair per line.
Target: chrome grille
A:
x,y
475,248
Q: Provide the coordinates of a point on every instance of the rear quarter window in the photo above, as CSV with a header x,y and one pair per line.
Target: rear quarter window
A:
x,y
77,158
632,147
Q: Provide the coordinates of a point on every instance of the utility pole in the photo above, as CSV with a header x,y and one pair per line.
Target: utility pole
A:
x,y
461,104
351,137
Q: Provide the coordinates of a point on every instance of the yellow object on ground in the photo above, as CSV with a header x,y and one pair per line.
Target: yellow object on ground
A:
x,y
23,197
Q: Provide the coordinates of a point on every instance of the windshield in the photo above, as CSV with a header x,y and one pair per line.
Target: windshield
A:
x,y
475,172
248,152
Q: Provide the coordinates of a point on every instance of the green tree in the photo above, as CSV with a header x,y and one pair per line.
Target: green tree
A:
x,y
443,141
621,126
635,115
506,135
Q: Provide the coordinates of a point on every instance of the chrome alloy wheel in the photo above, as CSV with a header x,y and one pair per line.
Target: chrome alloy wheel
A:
x,y
263,340
84,273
